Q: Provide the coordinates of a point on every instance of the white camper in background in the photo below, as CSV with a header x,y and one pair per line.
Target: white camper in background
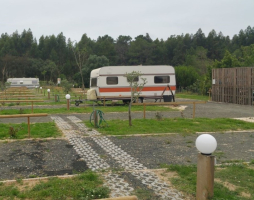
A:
x,y
24,82
110,83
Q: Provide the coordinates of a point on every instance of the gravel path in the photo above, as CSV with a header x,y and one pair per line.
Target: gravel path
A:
x,y
32,158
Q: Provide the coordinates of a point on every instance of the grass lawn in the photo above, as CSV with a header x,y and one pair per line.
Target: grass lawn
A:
x,y
172,125
82,109
240,176
192,96
37,130
86,186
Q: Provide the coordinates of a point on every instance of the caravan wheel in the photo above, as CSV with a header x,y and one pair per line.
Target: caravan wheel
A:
x,y
126,101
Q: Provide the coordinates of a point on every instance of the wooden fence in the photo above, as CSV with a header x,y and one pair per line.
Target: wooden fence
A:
x,y
233,85
28,118
20,101
170,103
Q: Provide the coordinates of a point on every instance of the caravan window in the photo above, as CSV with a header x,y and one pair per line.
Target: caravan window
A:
x,y
134,80
161,79
112,80
94,82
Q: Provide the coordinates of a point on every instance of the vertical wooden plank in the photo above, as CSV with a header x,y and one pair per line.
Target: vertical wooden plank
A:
x,y
194,108
28,126
144,111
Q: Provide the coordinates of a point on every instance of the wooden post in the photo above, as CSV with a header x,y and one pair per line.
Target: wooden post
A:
x,y
32,107
209,92
68,104
194,108
48,95
104,102
28,126
144,110
205,177
95,118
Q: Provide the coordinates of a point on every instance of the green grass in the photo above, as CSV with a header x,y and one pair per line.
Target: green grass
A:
x,y
192,96
85,186
187,176
82,109
37,130
176,125
239,175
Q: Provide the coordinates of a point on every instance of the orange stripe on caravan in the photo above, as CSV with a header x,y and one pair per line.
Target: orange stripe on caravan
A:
x,y
127,89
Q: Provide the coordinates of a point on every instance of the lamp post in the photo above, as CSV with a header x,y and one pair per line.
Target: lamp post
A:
x,y
206,144
48,93
41,89
67,96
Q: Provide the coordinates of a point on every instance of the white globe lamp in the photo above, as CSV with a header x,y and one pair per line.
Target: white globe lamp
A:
x,y
67,96
206,144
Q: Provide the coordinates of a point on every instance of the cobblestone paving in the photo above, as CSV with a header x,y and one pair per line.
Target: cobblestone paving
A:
x,y
127,162
117,185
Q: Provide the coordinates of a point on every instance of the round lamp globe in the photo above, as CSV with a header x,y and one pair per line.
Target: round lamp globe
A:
x,y
206,144
67,96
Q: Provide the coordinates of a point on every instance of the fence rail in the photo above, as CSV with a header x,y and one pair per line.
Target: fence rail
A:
x,y
171,103
22,101
28,118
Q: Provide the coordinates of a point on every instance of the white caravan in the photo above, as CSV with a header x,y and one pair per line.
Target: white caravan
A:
x,y
24,82
110,83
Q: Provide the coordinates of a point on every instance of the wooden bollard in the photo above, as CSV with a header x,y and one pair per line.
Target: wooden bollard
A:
x,y
205,177
121,198
95,118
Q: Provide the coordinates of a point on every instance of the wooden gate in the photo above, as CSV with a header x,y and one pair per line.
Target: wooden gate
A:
x,y
233,85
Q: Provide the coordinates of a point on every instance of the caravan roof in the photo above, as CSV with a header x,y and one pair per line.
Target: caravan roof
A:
x,y
143,69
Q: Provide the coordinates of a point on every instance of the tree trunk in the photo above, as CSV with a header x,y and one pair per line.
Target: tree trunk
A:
x,y
130,124
83,85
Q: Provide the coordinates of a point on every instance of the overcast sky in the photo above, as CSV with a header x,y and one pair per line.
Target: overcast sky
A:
x,y
159,18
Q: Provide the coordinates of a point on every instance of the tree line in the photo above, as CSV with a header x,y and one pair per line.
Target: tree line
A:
x,y
192,55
